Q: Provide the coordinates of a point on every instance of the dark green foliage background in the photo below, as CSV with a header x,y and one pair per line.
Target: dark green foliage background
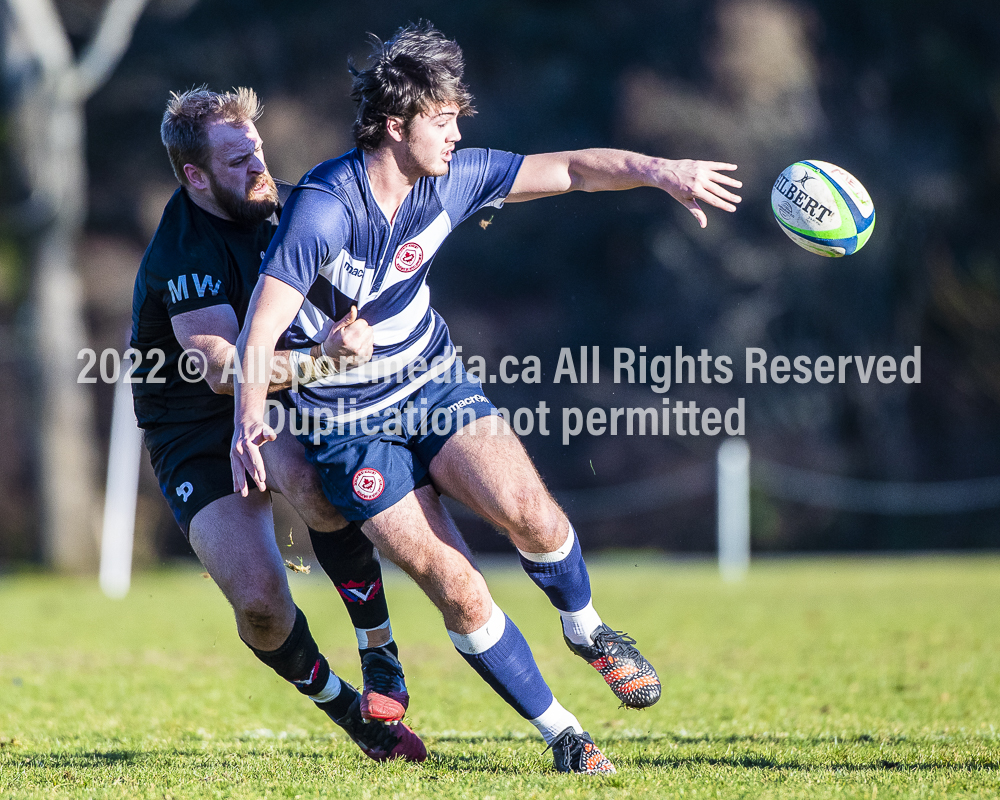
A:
x,y
908,99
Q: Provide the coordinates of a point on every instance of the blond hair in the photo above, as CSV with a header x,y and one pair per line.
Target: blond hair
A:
x,y
184,130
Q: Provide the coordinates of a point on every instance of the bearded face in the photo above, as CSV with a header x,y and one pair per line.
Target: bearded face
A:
x,y
240,187
250,204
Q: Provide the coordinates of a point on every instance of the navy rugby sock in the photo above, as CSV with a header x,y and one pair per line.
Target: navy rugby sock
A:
x,y
501,656
300,662
563,576
350,560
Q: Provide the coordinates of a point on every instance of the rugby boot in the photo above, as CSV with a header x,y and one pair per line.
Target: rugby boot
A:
x,y
576,752
630,676
384,695
378,740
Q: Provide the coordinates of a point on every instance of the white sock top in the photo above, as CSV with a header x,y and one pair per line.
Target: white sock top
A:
x,y
479,641
329,692
558,555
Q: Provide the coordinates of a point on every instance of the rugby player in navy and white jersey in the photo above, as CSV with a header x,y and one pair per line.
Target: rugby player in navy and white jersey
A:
x,y
388,436
191,294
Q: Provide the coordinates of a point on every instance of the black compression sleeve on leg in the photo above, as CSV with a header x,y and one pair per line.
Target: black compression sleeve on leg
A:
x,y
298,660
348,557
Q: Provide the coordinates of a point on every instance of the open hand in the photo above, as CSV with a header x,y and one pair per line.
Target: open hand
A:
x,y
244,456
689,181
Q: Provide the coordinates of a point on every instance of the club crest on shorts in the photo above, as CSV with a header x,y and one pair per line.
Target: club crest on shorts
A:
x,y
409,257
368,483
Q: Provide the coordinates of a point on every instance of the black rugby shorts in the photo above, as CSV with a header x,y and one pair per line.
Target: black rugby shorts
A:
x,y
191,462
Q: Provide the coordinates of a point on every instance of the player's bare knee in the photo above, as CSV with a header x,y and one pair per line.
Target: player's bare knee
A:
x,y
426,573
466,589
263,598
319,515
532,513
306,496
260,615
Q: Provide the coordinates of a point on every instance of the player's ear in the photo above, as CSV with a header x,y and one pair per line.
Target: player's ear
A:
x,y
197,178
395,128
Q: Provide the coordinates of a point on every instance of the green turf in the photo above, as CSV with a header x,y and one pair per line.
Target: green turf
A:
x,y
814,678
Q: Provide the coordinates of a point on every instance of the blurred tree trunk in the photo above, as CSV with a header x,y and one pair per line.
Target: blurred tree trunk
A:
x,y
48,118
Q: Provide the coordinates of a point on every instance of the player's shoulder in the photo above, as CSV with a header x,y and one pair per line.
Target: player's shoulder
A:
x,y
336,175
329,197
481,155
183,240
467,158
471,163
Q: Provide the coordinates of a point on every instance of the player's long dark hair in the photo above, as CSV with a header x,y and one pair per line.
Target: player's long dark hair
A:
x,y
416,71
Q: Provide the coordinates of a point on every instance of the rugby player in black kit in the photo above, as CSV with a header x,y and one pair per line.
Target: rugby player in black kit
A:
x,y
191,294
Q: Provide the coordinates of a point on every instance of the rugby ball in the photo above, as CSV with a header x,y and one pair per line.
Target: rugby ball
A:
x,y
823,208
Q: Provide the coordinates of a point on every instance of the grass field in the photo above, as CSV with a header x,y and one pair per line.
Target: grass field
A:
x,y
814,678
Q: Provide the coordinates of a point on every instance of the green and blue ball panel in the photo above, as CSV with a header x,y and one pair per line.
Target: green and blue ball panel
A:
x,y
823,208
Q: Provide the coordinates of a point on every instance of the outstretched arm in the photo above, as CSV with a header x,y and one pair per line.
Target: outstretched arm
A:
x,y
272,308
605,170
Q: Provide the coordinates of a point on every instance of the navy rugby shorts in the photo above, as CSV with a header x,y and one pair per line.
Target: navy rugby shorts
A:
x,y
364,473
191,462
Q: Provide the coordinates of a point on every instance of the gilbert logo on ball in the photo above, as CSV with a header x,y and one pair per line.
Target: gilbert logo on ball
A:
x,y
823,208
368,483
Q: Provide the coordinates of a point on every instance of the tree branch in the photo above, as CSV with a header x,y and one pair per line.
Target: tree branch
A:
x,y
106,48
44,34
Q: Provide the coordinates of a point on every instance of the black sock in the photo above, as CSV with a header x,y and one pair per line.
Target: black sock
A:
x,y
348,558
298,660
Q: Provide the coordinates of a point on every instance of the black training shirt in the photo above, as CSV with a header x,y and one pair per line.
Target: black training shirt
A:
x,y
195,260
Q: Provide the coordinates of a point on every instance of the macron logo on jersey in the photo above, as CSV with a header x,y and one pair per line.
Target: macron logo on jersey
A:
x,y
179,291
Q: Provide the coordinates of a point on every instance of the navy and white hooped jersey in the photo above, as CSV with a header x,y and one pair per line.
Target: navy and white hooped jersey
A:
x,y
335,245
